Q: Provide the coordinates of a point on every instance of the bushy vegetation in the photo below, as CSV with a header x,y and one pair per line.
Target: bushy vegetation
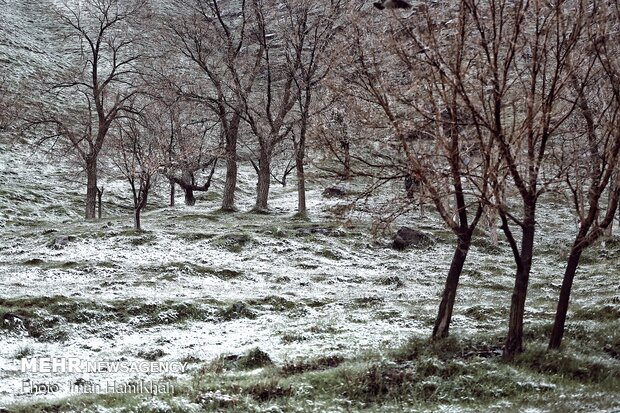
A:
x,y
468,375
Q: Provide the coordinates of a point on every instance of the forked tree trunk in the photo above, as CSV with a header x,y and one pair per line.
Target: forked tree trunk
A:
x,y
567,284
172,192
91,187
514,339
140,197
444,316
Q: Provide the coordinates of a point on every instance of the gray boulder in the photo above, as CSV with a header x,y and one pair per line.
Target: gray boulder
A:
x,y
334,192
60,241
410,238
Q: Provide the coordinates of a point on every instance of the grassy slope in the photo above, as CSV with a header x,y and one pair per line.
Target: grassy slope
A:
x,y
309,277
343,318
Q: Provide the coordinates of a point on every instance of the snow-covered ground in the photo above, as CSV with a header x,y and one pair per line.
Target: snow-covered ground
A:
x,y
308,288
332,277
317,287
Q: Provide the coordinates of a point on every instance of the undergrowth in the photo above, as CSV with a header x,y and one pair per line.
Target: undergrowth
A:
x,y
468,374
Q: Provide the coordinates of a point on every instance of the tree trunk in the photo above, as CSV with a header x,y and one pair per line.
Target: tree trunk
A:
x,y
172,193
610,229
347,159
99,203
562,309
136,219
301,174
301,186
145,202
91,187
442,322
190,199
514,340
264,180
228,200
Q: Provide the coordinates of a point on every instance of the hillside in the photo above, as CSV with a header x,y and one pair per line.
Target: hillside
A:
x,y
270,312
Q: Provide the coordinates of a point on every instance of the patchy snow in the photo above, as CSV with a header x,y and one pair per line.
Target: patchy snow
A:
x,y
333,280
337,286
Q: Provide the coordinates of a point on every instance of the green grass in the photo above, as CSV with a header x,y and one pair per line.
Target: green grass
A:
x,y
275,303
419,376
232,242
464,372
23,352
50,318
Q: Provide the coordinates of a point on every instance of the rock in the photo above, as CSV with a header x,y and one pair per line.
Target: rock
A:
x,y
408,237
254,359
13,321
237,310
391,280
233,242
334,192
59,242
34,261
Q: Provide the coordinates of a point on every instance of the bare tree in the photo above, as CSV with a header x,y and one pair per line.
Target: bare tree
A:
x,y
137,156
310,32
215,37
268,108
417,91
595,151
524,65
190,147
102,84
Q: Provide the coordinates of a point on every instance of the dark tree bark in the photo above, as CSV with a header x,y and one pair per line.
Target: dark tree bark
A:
x,y
300,151
346,174
189,186
228,199
109,57
612,188
463,230
264,181
444,316
562,309
601,174
137,225
514,339
217,39
301,175
140,192
99,202
589,232
190,199
172,192
91,187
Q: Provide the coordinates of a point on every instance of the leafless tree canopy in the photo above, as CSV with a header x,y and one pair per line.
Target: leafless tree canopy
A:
x,y
476,108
